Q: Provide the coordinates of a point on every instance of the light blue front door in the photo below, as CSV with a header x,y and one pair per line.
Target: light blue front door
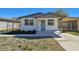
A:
x,y
42,25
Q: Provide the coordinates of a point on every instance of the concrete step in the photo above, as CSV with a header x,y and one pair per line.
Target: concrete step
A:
x,y
44,33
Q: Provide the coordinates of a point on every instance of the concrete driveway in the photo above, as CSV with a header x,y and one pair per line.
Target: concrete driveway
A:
x,y
68,42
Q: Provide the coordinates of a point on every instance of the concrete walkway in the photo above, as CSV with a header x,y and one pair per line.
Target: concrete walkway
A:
x,y
68,42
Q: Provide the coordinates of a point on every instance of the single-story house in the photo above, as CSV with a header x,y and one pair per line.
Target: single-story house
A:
x,y
70,23
8,24
39,22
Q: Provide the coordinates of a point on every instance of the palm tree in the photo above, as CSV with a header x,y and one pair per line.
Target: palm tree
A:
x,y
61,13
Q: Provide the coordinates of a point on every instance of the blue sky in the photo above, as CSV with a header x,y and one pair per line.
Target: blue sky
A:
x,y
15,12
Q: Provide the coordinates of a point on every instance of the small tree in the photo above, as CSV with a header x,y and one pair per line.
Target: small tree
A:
x,y
61,13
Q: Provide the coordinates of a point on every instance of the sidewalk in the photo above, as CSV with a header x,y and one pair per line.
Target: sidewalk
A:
x,y
68,42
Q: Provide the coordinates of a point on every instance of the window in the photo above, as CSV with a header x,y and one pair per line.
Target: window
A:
x,y
31,22
50,22
28,21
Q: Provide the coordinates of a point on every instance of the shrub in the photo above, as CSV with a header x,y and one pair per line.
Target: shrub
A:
x,y
22,32
30,49
25,48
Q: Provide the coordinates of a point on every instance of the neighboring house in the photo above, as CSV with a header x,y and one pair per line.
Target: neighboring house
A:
x,y
40,22
70,23
8,24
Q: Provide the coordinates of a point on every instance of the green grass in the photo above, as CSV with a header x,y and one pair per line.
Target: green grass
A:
x,y
74,33
29,44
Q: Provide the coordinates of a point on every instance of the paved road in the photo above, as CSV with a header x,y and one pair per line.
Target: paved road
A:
x,y
68,42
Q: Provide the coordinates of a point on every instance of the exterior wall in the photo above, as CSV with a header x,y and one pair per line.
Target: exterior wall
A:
x,y
78,25
16,25
3,25
13,26
47,28
54,27
71,24
26,27
37,24
8,25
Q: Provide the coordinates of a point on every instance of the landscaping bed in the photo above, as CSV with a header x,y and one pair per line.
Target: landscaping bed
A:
x,y
21,32
29,44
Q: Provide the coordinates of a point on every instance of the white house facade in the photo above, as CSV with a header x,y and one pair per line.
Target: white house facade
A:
x,y
39,22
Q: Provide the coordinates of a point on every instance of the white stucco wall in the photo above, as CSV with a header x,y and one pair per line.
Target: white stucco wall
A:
x,y
27,27
54,27
37,24
48,28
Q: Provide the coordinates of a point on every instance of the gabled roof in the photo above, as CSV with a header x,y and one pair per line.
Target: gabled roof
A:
x,y
32,15
47,15
40,15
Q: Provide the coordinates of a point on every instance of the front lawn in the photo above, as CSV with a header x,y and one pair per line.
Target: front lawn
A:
x,y
29,44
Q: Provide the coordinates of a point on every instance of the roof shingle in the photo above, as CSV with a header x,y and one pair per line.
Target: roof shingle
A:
x,y
40,15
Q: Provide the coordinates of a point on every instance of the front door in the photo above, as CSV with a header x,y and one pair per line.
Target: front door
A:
x,y
42,25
